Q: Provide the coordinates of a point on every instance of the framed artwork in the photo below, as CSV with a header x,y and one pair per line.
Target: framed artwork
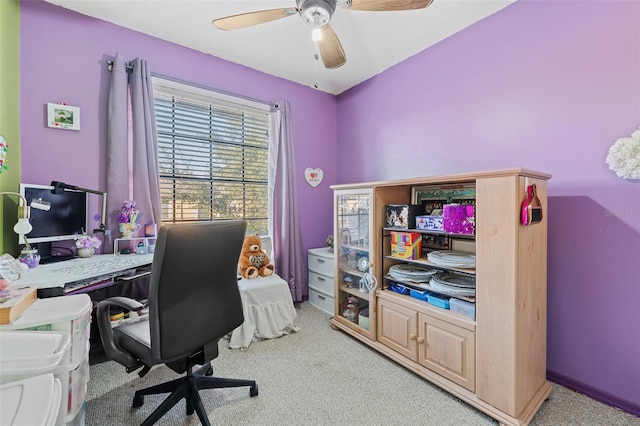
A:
x,y
434,197
60,116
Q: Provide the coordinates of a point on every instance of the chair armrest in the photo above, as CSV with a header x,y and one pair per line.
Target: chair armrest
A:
x,y
123,302
103,316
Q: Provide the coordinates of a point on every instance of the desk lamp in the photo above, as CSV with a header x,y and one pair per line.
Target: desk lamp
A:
x,y
59,187
23,226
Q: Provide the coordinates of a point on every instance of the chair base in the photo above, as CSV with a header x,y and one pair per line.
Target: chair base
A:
x,y
187,387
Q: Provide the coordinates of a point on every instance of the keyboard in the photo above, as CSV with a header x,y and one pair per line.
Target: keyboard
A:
x,y
53,278
114,264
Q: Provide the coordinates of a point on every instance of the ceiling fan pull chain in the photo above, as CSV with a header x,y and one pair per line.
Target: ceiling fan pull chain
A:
x,y
316,57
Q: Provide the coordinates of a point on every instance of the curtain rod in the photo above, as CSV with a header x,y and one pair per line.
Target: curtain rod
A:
x,y
129,68
213,89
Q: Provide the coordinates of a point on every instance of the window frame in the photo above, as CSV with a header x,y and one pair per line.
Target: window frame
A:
x,y
251,140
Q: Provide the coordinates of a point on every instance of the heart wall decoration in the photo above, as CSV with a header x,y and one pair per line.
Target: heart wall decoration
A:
x,y
313,176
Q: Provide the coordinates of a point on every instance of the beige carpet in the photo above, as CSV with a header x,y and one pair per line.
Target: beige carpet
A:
x,y
319,376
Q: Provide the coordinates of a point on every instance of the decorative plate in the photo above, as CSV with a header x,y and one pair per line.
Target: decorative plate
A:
x,y
451,258
456,280
363,264
414,273
450,290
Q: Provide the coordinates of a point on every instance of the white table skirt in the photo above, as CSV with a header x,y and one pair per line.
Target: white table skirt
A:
x,y
268,311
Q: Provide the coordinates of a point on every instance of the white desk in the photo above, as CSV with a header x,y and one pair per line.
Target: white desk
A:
x,y
268,308
56,275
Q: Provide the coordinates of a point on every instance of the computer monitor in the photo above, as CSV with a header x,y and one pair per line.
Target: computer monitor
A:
x,y
67,217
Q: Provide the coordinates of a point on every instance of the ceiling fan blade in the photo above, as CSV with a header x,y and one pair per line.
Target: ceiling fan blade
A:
x,y
388,5
331,49
243,20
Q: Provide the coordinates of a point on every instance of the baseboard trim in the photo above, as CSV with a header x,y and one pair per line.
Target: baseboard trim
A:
x,y
597,394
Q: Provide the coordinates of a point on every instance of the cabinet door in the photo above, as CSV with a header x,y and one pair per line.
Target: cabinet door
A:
x,y
397,328
447,349
354,300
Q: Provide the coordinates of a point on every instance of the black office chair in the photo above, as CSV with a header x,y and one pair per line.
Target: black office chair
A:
x,y
193,301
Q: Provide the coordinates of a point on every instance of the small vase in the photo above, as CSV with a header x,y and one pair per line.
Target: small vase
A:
x,y
86,252
29,257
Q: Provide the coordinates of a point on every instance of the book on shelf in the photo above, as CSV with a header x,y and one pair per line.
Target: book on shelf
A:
x,y
14,301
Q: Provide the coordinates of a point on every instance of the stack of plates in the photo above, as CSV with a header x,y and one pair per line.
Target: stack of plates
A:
x,y
405,272
453,259
454,285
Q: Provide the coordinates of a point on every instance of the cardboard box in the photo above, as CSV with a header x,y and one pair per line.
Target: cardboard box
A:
x,y
407,251
402,215
407,238
459,219
406,245
430,223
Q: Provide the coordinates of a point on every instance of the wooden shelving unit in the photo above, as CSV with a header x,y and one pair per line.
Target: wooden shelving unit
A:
x,y
497,362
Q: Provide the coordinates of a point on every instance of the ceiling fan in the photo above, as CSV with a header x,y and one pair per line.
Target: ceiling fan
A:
x,y
317,13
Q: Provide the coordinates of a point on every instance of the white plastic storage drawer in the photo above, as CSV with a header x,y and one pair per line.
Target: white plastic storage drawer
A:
x,y
321,261
319,282
74,390
321,301
71,314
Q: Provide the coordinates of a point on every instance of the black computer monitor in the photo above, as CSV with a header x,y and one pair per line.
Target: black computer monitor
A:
x,y
67,217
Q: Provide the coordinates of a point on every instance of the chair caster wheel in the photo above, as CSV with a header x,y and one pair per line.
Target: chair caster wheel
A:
x,y
138,400
254,390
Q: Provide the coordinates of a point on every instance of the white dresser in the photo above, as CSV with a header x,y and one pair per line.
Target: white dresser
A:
x,y
321,283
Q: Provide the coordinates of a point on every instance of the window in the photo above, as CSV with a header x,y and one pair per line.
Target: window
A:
x,y
212,155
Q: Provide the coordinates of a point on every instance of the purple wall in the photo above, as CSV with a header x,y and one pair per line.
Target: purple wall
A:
x,y
541,85
73,70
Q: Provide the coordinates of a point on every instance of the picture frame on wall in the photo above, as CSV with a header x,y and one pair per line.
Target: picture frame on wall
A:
x,y
60,116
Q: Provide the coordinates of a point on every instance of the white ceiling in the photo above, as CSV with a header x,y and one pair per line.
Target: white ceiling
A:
x,y
372,41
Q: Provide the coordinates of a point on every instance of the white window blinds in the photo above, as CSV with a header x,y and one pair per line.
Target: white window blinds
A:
x,y
212,156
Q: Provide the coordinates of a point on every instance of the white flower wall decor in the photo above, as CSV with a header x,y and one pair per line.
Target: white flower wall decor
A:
x,y
624,156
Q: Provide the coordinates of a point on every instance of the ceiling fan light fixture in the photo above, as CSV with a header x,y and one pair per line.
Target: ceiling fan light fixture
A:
x,y
316,13
316,34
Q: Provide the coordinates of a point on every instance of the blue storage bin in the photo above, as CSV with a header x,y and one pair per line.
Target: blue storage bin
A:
x,y
398,288
438,300
419,294
463,307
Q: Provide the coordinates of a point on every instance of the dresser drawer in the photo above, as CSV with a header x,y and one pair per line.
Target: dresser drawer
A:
x,y
321,264
321,282
321,301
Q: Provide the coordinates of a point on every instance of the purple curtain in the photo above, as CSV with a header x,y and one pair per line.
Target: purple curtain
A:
x,y
146,181
117,146
132,166
284,226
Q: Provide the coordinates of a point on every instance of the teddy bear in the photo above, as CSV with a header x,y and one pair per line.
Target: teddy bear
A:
x,y
254,262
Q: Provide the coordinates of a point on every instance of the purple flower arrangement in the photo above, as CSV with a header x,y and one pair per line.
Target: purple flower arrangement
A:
x,y
128,212
87,241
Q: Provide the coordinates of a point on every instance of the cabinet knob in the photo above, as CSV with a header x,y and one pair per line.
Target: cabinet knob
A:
x,y
412,336
420,339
